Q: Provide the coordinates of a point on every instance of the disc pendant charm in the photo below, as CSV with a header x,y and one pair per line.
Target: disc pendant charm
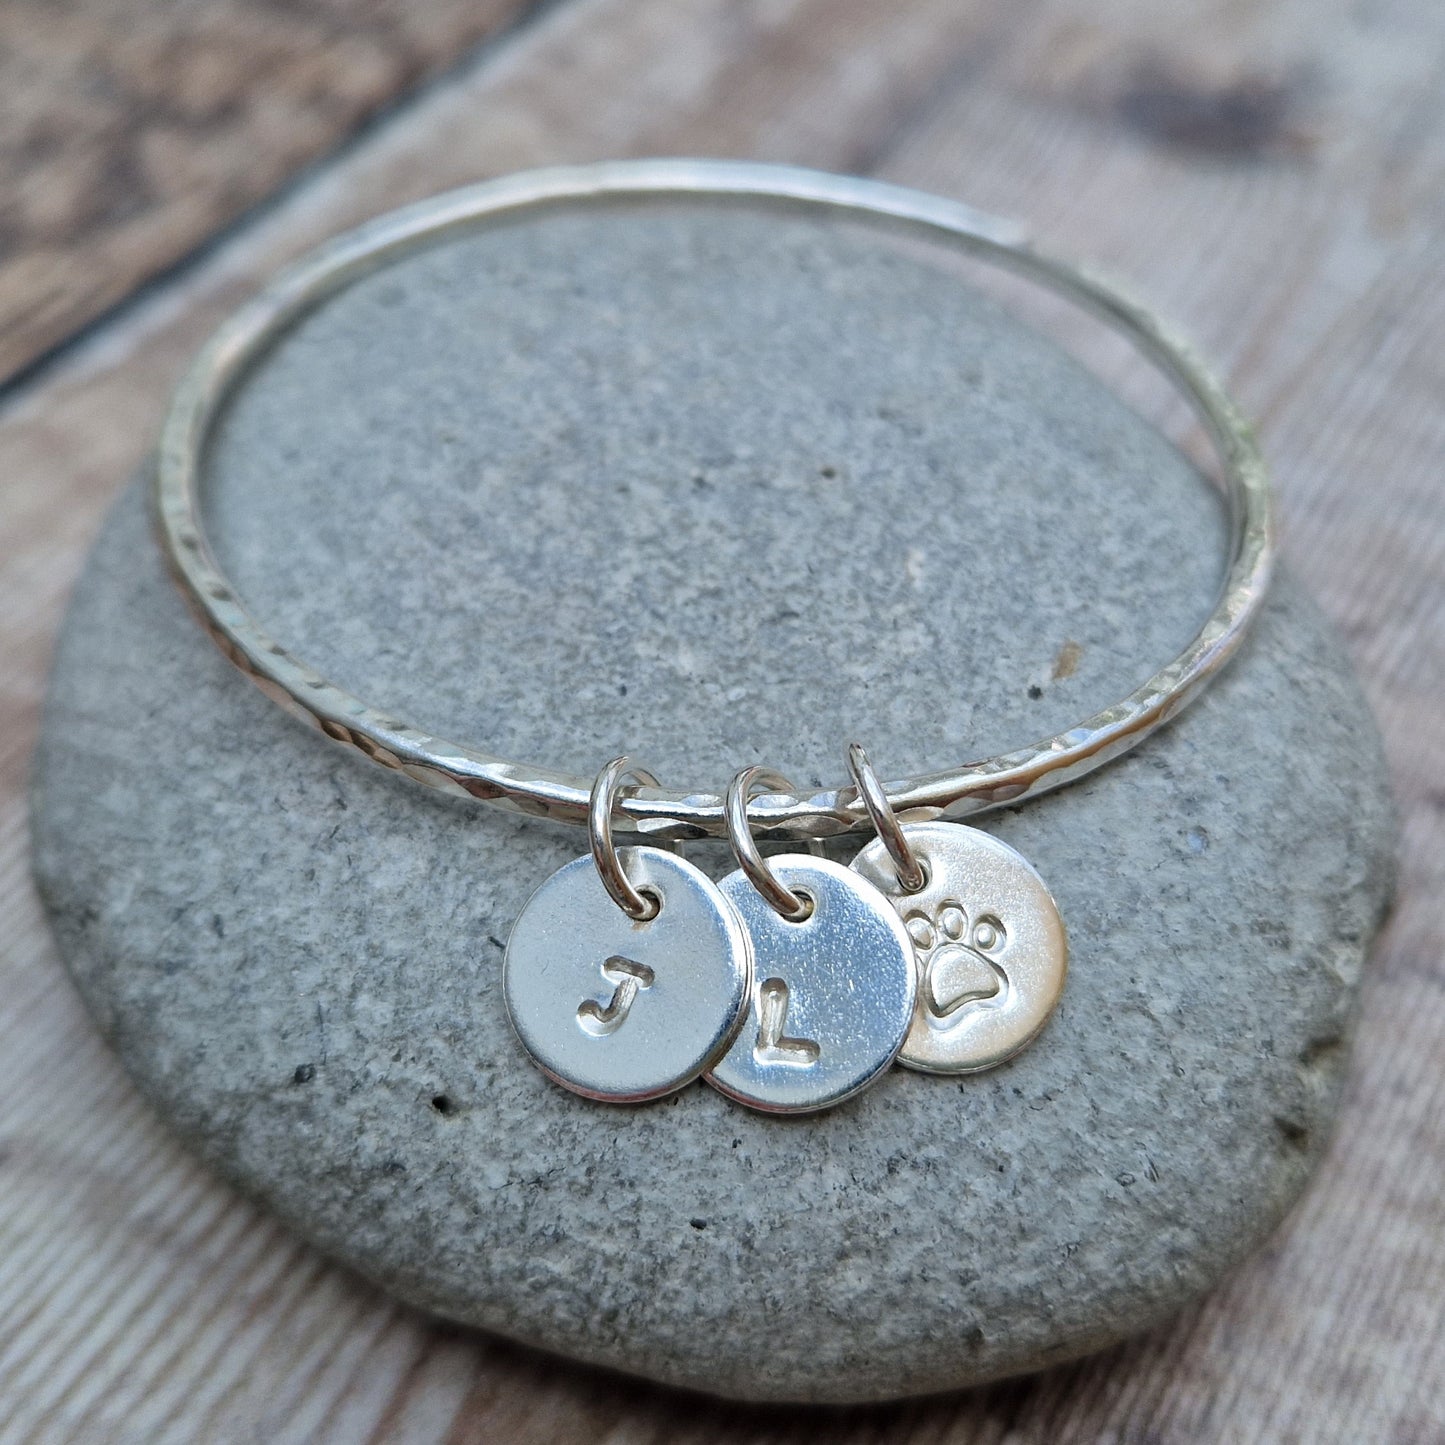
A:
x,y
832,996
620,1009
991,948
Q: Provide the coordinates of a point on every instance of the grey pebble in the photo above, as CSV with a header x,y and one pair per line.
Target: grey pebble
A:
x,y
714,488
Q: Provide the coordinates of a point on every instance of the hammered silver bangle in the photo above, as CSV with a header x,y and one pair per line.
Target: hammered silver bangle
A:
x,y
467,770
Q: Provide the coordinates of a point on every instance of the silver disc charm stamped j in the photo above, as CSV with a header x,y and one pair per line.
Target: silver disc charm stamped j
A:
x,y
627,973
626,1009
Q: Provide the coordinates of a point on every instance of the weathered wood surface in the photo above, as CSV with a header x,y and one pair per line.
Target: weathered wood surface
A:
x,y
130,130
1274,177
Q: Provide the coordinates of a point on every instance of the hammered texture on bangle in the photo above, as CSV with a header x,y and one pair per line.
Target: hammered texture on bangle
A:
x,y
951,793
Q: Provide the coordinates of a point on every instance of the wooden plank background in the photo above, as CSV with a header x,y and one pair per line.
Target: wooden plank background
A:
x,y
1272,175
130,130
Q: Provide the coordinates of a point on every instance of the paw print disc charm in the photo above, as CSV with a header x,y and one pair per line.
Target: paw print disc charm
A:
x,y
991,948
623,1009
833,996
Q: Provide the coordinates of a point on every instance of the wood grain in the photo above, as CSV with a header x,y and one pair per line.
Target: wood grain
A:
x,y
1273,175
130,130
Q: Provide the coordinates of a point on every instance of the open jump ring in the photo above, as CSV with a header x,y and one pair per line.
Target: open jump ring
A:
x,y
951,793
911,876
740,835
601,806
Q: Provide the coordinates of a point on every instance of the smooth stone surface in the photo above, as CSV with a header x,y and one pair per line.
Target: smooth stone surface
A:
x,y
716,489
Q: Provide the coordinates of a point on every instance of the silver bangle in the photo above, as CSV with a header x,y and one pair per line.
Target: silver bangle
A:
x,y
457,768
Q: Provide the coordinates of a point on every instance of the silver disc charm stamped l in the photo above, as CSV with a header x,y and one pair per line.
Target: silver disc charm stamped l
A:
x,y
624,1009
833,994
991,948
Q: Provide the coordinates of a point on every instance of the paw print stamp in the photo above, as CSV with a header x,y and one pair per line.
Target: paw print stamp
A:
x,y
988,941
958,957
